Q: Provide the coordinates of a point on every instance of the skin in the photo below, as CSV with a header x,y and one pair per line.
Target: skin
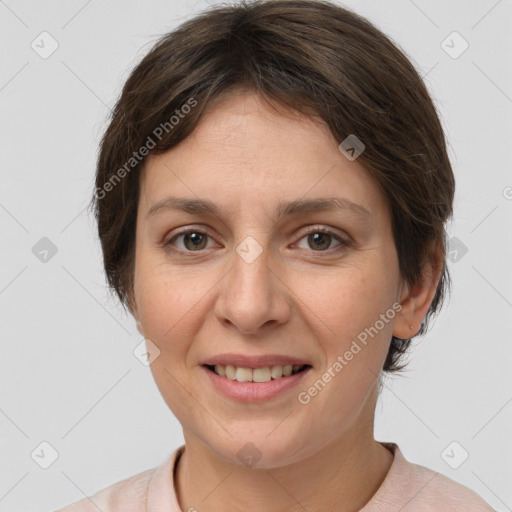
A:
x,y
299,297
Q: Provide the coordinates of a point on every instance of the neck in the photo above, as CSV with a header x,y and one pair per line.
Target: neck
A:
x,y
340,477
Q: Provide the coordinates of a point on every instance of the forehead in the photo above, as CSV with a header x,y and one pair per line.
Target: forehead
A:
x,y
245,153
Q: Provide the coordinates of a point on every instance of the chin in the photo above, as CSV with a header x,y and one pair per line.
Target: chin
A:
x,y
261,451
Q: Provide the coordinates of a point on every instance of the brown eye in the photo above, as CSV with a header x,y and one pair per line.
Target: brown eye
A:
x,y
321,240
193,240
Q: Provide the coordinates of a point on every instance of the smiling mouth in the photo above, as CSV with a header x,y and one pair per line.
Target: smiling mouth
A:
x,y
263,374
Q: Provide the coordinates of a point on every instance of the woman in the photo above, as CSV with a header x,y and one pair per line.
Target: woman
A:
x,y
271,195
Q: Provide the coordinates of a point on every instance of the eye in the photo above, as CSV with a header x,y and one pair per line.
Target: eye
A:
x,y
193,240
320,239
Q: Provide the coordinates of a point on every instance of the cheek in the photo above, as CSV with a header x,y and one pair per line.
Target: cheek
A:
x,y
161,300
355,344
169,300
346,302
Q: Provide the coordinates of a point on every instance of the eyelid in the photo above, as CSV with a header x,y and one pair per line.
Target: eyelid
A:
x,y
185,230
318,228
324,229
344,241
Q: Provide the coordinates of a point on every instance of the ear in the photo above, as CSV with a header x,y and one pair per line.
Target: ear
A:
x,y
139,328
132,306
416,300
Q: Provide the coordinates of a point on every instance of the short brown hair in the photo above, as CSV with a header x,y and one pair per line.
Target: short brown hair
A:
x,y
310,56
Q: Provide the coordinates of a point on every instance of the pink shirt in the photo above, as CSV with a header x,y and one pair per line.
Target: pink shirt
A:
x,y
407,487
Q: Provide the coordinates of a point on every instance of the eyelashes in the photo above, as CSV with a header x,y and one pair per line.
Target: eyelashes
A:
x,y
195,241
188,232
324,231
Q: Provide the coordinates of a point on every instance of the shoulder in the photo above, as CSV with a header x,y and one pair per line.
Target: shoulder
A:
x,y
410,487
453,495
130,492
152,489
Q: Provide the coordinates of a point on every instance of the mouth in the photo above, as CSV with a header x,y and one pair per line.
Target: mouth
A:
x,y
256,375
244,384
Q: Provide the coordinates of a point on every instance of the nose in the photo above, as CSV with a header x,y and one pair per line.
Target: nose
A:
x,y
254,295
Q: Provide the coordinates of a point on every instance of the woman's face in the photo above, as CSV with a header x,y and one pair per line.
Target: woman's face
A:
x,y
250,281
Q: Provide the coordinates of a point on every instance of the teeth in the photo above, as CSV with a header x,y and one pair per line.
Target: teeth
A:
x,y
276,372
265,374
230,372
243,374
261,374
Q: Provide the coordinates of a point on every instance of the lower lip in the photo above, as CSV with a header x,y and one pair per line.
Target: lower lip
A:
x,y
254,391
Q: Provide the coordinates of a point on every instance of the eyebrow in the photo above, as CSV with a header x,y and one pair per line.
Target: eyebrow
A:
x,y
299,206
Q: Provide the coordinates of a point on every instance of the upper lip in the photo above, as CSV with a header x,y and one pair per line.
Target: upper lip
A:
x,y
245,361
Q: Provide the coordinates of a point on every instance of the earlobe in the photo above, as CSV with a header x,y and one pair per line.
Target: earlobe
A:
x,y
139,328
135,313
404,324
138,323
416,300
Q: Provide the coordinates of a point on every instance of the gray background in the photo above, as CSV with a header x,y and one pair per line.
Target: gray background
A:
x,y
67,372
